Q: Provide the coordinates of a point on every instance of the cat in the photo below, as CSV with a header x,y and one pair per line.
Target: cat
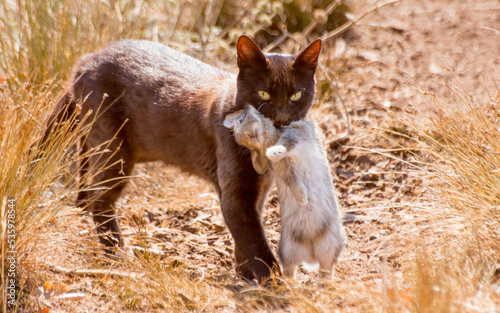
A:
x,y
311,229
152,103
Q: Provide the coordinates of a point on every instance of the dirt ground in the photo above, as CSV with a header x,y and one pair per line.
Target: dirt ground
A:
x,y
380,67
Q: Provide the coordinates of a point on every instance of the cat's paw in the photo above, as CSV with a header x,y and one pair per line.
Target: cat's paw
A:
x,y
276,153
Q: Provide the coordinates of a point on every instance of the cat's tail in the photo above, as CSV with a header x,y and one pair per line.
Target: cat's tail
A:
x,y
64,111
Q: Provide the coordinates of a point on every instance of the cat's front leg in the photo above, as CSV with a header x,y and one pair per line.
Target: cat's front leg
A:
x,y
243,193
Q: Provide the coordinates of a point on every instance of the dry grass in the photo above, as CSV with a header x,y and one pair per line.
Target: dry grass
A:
x,y
457,260
40,42
37,182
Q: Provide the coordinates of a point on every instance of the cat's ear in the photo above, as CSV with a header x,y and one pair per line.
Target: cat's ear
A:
x,y
233,118
248,53
260,162
309,57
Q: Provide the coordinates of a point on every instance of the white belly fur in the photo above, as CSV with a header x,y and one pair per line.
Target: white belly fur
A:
x,y
310,233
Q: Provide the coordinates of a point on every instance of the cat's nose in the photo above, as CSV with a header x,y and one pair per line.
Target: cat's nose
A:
x,y
281,119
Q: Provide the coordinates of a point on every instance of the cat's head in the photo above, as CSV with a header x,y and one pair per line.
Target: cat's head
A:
x,y
280,86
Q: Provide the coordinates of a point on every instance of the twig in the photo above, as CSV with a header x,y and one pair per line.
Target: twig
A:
x,y
177,20
348,25
348,118
315,21
278,41
236,21
91,272
497,32
337,91
329,35
305,33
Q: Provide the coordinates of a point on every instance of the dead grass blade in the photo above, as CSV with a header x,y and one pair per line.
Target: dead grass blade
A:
x,y
462,144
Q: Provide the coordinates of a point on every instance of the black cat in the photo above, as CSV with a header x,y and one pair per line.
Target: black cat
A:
x,y
155,103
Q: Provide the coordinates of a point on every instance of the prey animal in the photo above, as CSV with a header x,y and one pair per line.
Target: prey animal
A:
x,y
311,229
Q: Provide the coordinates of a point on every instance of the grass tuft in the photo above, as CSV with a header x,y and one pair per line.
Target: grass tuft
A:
x,y
458,255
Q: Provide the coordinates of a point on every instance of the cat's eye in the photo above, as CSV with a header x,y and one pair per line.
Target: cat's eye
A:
x,y
264,95
296,96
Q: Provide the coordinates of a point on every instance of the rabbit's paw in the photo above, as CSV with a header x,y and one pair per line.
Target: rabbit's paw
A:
x,y
276,153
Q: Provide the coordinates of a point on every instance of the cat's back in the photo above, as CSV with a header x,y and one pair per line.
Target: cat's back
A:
x,y
148,63
168,102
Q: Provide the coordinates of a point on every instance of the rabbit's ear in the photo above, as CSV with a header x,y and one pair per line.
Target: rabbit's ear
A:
x,y
259,162
233,118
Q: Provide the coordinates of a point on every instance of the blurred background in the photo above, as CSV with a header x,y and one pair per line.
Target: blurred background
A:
x,y
43,38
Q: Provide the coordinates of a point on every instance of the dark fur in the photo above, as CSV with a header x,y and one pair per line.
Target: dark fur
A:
x,y
299,237
155,103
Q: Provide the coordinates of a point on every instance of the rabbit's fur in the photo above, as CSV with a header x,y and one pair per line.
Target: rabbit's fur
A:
x,y
311,229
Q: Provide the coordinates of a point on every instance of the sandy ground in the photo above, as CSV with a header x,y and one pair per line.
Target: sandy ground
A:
x,y
380,66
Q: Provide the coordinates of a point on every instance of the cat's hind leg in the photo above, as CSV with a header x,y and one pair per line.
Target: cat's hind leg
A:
x,y
84,196
109,173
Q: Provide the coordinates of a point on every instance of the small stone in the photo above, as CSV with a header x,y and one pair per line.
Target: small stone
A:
x,y
349,218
